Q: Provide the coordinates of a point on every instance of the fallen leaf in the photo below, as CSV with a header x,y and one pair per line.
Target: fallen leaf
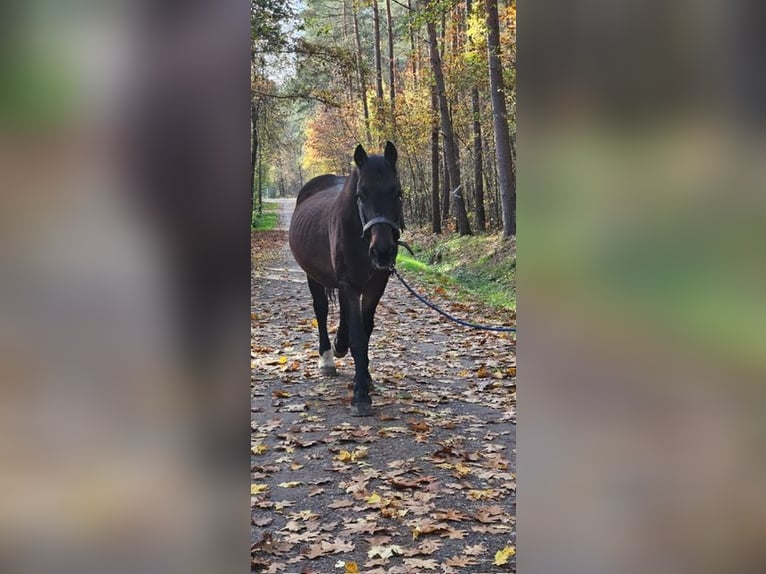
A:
x,y
291,484
502,556
384,551
428,564
258,488
475,550
460,561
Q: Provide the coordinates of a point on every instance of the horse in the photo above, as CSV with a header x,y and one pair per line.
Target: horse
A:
x,y
344,234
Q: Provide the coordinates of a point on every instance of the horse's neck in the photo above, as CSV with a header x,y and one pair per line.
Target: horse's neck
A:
x,y
346,205
349,190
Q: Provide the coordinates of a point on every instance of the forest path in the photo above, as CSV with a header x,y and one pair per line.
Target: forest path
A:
x,y
426,484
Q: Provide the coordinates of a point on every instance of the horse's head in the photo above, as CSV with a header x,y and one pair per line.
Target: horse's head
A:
x,y
379,197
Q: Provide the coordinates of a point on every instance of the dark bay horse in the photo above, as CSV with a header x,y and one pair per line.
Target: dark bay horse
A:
x,y
344,233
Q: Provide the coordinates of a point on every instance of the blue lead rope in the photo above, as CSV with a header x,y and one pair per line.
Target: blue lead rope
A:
x,y
447,315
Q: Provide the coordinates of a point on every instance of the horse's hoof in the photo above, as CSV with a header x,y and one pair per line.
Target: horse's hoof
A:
x,y
361,410
327,365
337,352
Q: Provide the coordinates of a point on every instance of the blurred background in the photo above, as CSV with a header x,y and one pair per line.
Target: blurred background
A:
x,y
124,161
641,282
124,293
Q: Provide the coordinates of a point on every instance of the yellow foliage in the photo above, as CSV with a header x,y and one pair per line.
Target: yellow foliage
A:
x,y
502,556
258,488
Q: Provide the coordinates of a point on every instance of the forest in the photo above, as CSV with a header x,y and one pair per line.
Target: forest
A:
x,y
436,77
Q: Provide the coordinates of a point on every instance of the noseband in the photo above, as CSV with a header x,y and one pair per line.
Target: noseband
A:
x,y
366,225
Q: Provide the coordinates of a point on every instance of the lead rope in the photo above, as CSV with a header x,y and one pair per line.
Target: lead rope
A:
x,y
441,311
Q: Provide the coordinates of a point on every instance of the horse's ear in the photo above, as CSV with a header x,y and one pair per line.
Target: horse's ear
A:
x,y
390,153
360,156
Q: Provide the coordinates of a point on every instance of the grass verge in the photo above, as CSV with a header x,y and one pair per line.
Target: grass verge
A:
x,y
481,267
268,218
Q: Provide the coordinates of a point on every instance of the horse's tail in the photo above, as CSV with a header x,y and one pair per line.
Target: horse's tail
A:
x,y
332,295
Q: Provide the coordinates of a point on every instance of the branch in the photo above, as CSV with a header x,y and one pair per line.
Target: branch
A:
x,y
404,6
297,96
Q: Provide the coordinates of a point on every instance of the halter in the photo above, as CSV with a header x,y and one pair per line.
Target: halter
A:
x,y
366,225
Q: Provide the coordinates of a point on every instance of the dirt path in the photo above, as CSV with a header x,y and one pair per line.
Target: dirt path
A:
x,y
427,484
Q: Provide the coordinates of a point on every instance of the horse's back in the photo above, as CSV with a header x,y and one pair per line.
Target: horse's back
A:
x,y
309,235
321,183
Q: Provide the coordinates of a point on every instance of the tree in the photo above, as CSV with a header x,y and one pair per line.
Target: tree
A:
x,y
436,220
361,71
450,147
505,174
376,46
391,61
478,152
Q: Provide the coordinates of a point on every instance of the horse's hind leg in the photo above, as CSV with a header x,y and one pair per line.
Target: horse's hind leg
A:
x,y
319,296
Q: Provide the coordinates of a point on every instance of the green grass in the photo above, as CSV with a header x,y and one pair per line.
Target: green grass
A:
x,y
268,219
480,267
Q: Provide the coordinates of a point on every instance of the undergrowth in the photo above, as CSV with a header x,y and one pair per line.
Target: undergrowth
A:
x,y
480,266
267,219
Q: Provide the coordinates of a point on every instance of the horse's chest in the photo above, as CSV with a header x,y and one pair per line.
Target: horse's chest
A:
x,y
351,263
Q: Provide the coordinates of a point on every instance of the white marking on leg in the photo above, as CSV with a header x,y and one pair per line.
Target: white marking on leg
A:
x,y
326,360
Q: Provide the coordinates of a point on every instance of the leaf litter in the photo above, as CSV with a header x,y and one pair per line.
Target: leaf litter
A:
x,y
427,484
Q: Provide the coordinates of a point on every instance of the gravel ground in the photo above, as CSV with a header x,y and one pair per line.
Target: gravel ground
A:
x,y
426,484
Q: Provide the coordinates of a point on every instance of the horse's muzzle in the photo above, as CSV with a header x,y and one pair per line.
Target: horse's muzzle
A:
x,y
383,257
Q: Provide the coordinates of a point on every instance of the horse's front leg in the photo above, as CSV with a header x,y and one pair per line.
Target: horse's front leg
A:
x,y
340,343
359,341
370,301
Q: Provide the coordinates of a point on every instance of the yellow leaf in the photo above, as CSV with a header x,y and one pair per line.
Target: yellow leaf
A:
x,y
292,484
260,448
484,494
282,360
374,498
502,556
352,568
258,488
462,469
482,373
343,456
314,323
359,453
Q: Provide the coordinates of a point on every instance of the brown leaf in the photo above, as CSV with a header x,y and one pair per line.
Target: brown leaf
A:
x,y
460,561
419,563
475,550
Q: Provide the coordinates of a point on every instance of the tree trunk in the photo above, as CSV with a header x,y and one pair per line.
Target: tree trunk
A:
x,y
346,26
506,180
253,151
478,162
450,149
478,152
378,64
436,219
260,181
362,81
391,61
413,50
446,202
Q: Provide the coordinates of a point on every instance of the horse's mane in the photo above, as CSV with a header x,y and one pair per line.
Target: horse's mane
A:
x,y
318,184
